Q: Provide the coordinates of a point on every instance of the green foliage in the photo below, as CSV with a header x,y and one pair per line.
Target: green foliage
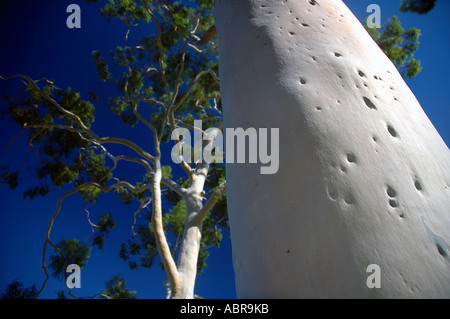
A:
x,y
141,250
128,11
16,290
72,252
116,289
104,226
59,151
399,45
9,177
417,6
101,65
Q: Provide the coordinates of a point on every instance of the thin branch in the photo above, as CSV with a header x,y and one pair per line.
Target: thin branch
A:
x,y
194,81
84,128
170,266
218,192
174,186
13,139
207,36
58,209
106,140
187,168
133,146
141,205
161,47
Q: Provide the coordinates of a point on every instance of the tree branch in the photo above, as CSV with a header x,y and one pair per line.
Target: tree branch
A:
x,y
175,279
58,209
218,192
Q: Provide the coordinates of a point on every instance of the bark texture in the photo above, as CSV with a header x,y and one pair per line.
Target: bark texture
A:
x,y
364,177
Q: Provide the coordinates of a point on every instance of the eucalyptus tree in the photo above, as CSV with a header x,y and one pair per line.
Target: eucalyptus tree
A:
x,y
359,205
163,81
363,174
399,45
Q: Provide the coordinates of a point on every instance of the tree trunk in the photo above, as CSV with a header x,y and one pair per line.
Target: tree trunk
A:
x,y
363,175
190,246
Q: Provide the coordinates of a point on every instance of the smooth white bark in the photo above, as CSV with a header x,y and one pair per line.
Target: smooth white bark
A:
x,y
364,177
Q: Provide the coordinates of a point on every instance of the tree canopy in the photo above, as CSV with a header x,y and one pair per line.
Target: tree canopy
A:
x,y
417,6
399,45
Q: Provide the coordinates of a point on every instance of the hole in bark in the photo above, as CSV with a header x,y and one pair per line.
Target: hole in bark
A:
x,y
392,131
337,54
361,73
318,108
305,24
391,192
302,81
351,158
313,2
418,185
314,58
369,103
442,251
349,199
393,203
291,33
332,193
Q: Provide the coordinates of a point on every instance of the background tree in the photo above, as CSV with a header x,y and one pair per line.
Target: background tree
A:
x,y
16,290
417,6
164,81
116,289
399,45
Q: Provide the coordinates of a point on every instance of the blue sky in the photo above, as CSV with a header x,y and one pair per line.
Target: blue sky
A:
x,y
35,41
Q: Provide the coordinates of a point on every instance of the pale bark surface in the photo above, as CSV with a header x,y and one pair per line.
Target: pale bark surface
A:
x,y
364,177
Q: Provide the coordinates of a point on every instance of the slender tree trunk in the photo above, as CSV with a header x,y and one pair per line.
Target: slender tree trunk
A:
x,y
190,246
195,214
363,175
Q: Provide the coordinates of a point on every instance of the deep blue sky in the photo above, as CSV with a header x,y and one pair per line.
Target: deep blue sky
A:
x,y
35,41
